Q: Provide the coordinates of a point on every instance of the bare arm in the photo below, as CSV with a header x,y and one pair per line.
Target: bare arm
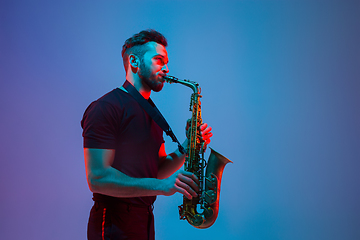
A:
x,y
169,164
104,179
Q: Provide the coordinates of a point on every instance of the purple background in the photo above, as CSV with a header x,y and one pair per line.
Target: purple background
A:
x,y
280,84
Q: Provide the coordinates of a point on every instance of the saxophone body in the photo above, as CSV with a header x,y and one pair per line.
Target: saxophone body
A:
x,y
207,201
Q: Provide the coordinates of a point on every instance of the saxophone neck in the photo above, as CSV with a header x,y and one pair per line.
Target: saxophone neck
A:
x,y
191,84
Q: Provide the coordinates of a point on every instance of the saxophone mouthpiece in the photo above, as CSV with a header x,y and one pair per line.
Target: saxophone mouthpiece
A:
x,y
171,79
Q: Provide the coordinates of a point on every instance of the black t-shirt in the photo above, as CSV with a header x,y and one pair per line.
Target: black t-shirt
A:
x,y
117,121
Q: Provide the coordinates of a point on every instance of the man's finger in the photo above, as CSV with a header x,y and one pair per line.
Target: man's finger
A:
x,y
190,175
186,189
190,182
206,131
183,191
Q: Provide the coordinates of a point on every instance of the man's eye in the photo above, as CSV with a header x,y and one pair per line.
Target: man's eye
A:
x,y
159,60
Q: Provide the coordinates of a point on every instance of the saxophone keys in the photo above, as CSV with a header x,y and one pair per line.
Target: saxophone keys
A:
x,y
210,197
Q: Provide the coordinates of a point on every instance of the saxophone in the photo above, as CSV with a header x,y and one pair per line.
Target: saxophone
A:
x,y
209,193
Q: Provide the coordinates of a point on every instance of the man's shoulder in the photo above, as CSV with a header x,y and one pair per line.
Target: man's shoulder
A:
x,y
115,97
110,100
111,104
112,97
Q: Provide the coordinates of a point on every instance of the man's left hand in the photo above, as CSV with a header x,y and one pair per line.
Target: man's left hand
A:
x,y
206,133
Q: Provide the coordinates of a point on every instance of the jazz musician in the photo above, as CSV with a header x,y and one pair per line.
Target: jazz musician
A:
x,y
125,159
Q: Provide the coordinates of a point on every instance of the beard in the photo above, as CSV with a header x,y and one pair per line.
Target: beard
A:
x,y
149,78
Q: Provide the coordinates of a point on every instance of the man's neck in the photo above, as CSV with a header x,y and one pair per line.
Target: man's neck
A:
x,y
143,90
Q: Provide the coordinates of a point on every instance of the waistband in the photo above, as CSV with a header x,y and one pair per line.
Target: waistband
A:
x,y
142,201
118,205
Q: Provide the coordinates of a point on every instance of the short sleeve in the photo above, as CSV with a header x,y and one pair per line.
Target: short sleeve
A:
x,y
99,125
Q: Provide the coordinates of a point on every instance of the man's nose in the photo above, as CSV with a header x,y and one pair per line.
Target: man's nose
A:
x,y
165,69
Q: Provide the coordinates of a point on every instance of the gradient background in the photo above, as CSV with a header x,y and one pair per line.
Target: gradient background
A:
x,y
280,84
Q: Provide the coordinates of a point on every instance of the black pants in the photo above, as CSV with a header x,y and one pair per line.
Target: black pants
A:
x,y
120,221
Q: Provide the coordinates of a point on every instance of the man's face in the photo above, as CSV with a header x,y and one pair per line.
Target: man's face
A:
x,y
153,66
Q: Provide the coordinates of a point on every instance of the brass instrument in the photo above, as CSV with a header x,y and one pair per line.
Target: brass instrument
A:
x,y
209,193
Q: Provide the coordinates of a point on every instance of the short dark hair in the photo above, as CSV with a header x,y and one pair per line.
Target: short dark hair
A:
x,y
134,45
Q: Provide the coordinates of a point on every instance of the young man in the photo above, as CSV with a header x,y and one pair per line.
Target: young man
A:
x,y
125,159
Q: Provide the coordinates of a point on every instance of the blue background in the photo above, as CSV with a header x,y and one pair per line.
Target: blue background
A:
x,y
280,85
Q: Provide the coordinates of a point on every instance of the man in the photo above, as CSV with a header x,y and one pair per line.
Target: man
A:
x,y
125,159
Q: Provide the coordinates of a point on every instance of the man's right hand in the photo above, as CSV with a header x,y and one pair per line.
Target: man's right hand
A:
x,y
183,182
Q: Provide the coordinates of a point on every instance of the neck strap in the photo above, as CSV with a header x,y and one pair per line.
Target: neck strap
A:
x,y
150,108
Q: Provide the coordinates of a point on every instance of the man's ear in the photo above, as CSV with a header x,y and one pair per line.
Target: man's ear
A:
x,y
134,61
